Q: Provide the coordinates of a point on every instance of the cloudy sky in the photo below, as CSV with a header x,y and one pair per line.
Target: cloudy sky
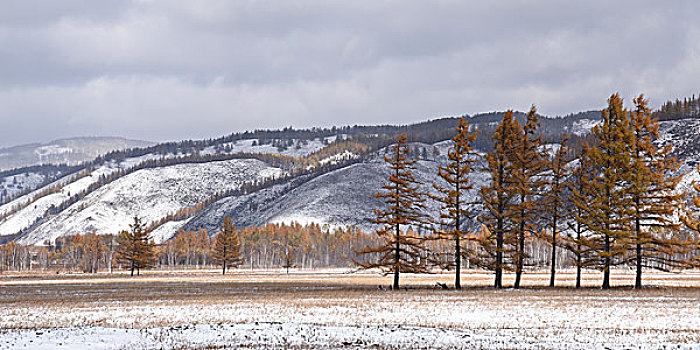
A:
x,y
167,70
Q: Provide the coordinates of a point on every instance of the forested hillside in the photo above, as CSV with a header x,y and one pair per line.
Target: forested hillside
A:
x,y
326,177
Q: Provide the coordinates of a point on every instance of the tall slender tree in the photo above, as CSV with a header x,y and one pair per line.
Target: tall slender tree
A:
x,y
652,190
555,199
404,208
454,197
527,164
576,241
135,247
227,247
497,201
610,207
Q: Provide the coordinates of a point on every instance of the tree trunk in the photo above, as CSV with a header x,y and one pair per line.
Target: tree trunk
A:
x,y
458,247
458,263
638,279
578,265
606,266
638,228
521,251
397,258
554,250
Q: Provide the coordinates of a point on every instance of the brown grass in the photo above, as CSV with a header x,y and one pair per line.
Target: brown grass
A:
x,y
160,298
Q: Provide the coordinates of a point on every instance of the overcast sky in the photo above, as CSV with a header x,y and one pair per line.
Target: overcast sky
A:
x,y
169,70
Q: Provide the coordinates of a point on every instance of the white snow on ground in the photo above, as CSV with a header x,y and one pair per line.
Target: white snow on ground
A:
x,y
299,148
308,336
14,184
164,232
151,194
334,159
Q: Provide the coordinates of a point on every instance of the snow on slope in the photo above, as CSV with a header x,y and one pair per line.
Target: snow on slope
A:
x,y
14,184
299,148
27,216
151,194
344,197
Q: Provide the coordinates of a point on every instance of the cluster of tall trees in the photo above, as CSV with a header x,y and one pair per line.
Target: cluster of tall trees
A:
x,y
614,203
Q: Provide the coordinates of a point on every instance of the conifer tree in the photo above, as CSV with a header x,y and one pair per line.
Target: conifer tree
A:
x,y
652,190
554,200
576,242
609,209
404,208
135,247
227,247
453,198
497,201
527,163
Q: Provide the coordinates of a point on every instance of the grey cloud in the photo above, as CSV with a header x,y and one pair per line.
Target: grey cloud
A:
x,y
189,69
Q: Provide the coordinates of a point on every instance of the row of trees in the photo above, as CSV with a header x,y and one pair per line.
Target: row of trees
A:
x,y
268,246
614,203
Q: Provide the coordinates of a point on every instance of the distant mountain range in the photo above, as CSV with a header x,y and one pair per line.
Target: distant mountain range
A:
x,y
327,176
65,151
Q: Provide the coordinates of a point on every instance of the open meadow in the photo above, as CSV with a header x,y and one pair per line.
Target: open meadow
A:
x,y
333,309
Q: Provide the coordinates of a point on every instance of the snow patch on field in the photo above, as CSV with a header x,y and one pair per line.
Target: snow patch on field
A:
x,y
308,336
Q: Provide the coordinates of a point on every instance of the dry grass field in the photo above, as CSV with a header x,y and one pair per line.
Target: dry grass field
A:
x,y
201,309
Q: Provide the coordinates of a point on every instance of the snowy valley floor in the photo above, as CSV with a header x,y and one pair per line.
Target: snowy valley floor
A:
x,y
336,310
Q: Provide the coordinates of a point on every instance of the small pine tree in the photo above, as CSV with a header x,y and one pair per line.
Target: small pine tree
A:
x,y
454,197
404,208
135,248
227,247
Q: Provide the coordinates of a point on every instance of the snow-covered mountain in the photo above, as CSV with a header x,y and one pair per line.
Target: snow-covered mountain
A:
x,y
149,193
65,151
341,195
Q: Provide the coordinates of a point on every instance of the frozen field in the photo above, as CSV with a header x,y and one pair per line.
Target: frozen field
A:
x,y
334,310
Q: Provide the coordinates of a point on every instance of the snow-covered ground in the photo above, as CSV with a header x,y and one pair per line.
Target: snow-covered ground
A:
x,y
14,184
310,336
299,148
339,311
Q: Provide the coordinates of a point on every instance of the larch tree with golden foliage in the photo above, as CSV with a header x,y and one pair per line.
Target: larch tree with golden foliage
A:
x,y
653,194
555,199
453,197
609,206
527,164
135,248
576,240
497,202
227,246
404,208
